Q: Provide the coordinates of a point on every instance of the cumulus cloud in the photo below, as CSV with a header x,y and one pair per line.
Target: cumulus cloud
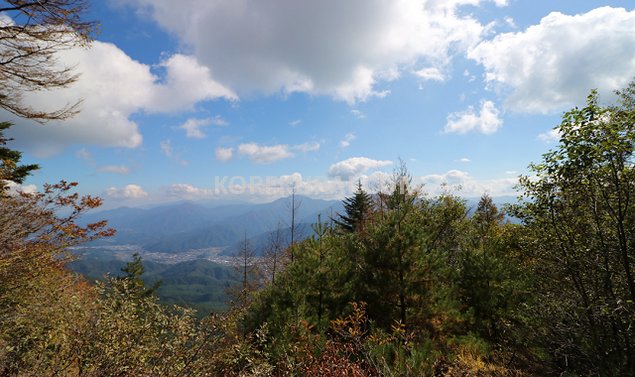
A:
x,y
113,86
128,192
487,121
224,154
553,65
338,48
464,160
346,141
464,184
116,169
264,154
186,83
264,189
353,167
193,127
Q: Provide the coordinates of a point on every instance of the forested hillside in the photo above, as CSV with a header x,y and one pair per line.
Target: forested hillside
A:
x,y
199,284
398,283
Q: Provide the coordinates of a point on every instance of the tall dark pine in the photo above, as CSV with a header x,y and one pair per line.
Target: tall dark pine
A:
x,y
133,271
357,208
10,170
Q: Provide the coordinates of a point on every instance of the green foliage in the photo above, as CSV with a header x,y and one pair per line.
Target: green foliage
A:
x,y
197,284
133,272
425,275
10,168
580,214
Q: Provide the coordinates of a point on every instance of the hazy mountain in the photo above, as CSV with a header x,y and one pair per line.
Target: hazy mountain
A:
x,y
186,225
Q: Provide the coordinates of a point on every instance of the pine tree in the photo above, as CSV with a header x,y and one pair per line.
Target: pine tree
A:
x,y
133,271
357,208
486,218
10,170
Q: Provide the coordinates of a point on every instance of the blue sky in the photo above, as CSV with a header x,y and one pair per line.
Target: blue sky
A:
x,y
242,99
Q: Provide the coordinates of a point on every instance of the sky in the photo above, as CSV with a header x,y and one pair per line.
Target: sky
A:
x,y
222,100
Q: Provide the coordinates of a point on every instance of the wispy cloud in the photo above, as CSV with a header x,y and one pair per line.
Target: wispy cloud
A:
x,y
166,147
358,114
168,151
194,127
307,147
346,141
430,74
116,169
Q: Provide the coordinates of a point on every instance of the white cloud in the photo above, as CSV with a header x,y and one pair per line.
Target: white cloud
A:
x,y
346,141
193,127
464,160
16,188
187,82
295,123
462,183
257,189
263,154
116,169
113,86
128,192
487,121
313,146
187,191
338,48
510,22
264,189
166,147
358,114
550,136
553,65
353,167
224,154
430,74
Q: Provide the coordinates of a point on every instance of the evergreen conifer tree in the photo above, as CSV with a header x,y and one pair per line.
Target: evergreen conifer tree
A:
x,y
10,170
357,208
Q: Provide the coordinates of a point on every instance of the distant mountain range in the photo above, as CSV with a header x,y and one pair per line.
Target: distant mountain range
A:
x,y
185,226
